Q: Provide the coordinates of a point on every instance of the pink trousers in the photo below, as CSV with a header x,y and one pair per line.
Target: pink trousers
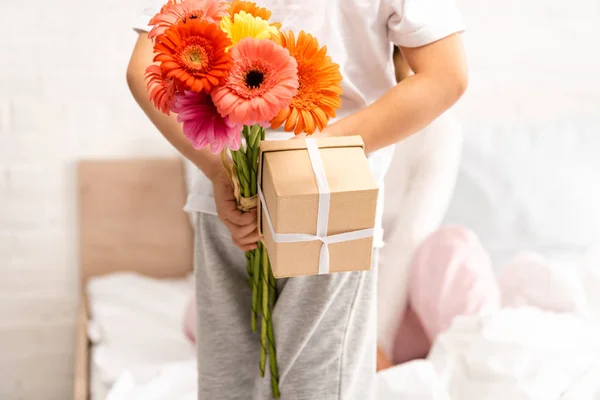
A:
x,y
450,275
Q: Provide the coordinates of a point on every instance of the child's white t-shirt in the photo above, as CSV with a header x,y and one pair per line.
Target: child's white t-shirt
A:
x,y
359,35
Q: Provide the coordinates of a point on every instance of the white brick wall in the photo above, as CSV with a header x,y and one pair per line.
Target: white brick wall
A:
x,y
63,96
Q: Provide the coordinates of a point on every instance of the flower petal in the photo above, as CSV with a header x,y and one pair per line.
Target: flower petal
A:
x,y
264,99
320,85
203,125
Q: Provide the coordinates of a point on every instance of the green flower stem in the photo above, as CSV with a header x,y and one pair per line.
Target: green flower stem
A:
x,y
241,164
270,335
253,187
265,313
250,255
245,170
272,288
253,149
255,286
246,132
249,259
260,275
254,135
259,278
254,182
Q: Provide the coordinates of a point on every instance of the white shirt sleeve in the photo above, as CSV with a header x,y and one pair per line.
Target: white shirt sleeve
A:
x,y
145,14
415,23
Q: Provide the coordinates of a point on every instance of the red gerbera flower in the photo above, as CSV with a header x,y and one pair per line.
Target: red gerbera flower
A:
x,y
193,53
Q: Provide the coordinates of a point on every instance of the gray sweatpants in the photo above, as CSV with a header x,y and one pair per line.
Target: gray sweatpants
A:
x,y
324,328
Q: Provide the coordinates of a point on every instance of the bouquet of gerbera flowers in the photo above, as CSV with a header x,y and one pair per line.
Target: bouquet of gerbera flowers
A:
x,y
229,73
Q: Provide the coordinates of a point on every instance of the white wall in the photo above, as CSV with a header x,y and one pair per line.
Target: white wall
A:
x,y
528,176
63,96
534,61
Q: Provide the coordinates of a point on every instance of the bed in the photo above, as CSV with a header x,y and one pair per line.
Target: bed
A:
x,y
543,345
519,353
123,205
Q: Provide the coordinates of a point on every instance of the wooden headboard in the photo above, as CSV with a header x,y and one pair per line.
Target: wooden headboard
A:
x,y
131,218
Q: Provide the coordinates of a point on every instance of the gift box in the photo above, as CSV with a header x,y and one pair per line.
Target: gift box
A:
x,y
318,205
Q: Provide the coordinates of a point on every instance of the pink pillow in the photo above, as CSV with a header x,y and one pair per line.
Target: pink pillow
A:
x,y
450,275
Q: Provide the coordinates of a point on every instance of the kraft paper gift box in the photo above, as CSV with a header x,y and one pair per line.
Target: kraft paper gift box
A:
x,y
317,212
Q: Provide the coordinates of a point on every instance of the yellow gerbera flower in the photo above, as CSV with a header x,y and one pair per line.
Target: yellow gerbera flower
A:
x,y
251,8
246,25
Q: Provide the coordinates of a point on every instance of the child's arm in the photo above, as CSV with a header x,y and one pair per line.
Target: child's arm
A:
x,y
241,225
440,79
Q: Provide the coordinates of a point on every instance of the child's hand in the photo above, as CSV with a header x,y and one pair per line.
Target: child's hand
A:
x,y
242,225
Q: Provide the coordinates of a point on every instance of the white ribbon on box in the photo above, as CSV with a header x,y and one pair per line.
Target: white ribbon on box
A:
x,y
322,215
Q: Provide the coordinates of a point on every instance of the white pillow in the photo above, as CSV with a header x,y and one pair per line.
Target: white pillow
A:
x,y
136,321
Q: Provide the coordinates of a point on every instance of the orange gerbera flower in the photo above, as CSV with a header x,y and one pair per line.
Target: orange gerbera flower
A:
x,y
252,9
319,92
193,53
181,10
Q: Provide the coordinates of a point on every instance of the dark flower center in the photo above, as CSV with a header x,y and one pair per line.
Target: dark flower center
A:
x,y
254,79
191,16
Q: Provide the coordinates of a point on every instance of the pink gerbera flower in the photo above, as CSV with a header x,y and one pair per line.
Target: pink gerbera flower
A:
x,y
161,89
175,11
262,82
203,125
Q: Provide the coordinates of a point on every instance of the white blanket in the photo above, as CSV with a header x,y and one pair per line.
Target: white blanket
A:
x,y
517,354
523,353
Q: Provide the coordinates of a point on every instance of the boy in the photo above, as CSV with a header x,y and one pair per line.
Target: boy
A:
x,y
324,325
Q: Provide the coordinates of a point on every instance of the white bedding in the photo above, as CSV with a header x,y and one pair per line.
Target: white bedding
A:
x,y
524,353
136,321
